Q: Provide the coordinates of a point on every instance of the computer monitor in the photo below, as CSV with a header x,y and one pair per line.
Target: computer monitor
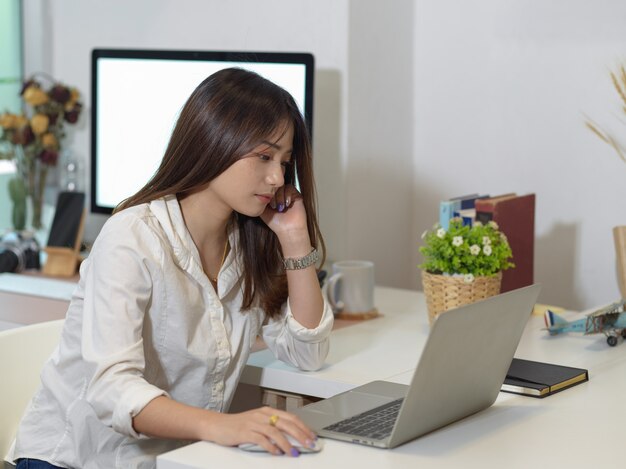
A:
x,y
138,94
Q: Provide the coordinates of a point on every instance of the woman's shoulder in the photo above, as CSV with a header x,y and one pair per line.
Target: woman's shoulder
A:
x,y
133,225
127,219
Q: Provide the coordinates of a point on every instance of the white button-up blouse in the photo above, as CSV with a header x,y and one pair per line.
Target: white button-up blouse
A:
x,y
144,321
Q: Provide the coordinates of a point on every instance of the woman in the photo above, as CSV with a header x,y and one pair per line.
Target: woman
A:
x,y
218,247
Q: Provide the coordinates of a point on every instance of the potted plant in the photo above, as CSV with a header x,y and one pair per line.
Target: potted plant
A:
x,y
462,264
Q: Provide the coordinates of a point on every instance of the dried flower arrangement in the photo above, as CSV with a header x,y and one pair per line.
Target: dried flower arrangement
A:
x,y
33,139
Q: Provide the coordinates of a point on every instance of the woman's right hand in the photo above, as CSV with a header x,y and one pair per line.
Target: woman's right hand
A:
x,y
265,427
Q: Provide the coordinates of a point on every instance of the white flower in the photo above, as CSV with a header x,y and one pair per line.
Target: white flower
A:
x,y
441,233
468,278
486,240
457,241
487,250
493,224
474,249
477,223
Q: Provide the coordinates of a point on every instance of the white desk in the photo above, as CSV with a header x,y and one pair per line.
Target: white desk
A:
x,y
581,427
373,349
26,299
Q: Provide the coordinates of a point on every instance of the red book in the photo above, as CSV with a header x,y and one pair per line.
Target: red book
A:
x,y
515,215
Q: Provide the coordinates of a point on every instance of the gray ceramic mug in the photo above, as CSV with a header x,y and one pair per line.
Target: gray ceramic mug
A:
x,y
350,289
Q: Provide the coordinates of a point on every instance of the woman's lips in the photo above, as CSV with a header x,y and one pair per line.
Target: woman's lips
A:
x,y
265,198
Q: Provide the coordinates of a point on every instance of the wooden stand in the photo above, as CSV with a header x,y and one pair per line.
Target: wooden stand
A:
x,y
371,314
61,262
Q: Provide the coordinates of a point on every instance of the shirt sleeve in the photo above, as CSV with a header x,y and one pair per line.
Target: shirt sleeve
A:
x,y
295,344
118,291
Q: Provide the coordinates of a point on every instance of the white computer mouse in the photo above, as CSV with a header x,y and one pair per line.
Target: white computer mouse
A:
x,y
318,445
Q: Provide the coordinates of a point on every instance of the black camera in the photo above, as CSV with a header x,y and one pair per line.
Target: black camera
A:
x,y
18,251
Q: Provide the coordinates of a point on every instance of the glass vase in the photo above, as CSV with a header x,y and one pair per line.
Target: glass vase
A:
x,y
30,182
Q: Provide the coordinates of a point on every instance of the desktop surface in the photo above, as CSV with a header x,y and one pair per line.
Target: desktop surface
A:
x,y
387,345
567,429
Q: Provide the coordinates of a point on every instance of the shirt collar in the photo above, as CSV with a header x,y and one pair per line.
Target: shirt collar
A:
x,y
167,211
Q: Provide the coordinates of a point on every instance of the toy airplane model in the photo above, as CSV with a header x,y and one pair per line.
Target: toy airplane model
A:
x,y
610,320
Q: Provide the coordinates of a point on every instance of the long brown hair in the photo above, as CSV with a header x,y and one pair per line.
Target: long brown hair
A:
x,y
227,115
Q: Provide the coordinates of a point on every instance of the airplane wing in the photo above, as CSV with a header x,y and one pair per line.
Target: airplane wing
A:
x,y
604,319
613,308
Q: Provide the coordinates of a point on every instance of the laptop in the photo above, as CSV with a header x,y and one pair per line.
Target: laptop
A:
x,y
460,372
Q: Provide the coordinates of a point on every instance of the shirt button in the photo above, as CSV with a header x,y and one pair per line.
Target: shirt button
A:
x,y
219,386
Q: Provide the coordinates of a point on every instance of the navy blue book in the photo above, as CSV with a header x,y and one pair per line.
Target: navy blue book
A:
x,y
451,208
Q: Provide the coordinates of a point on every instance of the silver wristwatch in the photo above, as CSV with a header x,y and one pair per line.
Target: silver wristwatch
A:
x,y
297,263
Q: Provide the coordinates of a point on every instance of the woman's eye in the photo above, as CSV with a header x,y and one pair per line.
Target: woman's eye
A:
x,y
287,163
264,157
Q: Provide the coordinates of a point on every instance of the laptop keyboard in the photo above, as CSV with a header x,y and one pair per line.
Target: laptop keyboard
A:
x,y
376,423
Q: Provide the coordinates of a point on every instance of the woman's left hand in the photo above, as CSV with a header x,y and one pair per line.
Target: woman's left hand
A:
x,y
286,217
286,213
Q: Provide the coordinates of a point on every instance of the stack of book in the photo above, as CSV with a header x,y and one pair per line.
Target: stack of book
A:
x,y
463,206
515,216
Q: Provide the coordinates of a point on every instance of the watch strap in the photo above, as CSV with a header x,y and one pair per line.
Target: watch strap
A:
x,y
298,263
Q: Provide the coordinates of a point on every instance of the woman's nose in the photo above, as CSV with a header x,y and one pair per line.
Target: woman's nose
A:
x,y
275,175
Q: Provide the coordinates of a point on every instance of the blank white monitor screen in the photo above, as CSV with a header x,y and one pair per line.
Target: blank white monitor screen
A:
x,y
138,95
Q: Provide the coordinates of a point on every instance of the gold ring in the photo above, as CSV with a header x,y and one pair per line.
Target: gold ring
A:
x,y
273,420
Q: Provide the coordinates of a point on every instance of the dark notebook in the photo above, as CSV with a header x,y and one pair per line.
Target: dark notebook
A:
x,y
538,379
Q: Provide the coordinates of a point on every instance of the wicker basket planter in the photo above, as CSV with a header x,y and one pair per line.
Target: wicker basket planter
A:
x,y
445,292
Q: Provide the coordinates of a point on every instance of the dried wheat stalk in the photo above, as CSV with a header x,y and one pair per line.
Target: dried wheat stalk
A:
x,y
619,82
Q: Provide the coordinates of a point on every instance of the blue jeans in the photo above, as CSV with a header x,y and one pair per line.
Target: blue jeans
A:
x,y
34,464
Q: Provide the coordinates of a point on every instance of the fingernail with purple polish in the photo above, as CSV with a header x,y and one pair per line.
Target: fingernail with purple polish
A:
x,y
295,452
280,207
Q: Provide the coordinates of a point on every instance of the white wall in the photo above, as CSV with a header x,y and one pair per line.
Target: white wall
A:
x,y
502,88
380,144
418,101
75,27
